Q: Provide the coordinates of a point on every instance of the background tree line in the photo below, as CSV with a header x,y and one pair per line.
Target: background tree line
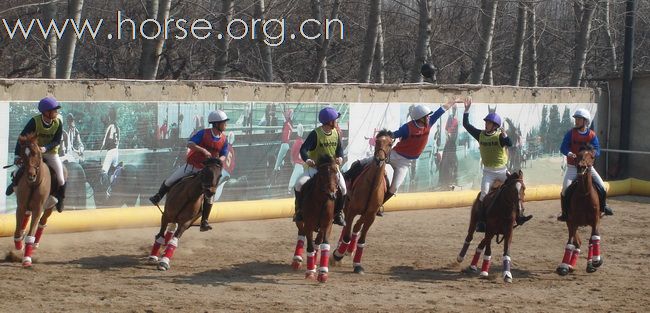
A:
x,y
497,42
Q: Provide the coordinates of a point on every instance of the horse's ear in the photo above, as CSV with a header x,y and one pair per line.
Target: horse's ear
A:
x,y
521,173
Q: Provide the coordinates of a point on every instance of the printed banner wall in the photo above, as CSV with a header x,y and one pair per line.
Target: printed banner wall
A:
x,y
118,153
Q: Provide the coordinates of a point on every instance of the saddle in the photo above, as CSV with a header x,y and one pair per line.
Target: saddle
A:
x,y
494,192
352,177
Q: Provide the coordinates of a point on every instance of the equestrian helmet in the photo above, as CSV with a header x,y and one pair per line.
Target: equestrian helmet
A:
x,y
583,113
494,118
217,116
420,111
48,104
327,115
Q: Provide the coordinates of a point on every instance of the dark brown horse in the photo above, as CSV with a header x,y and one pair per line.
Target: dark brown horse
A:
x,y
317,202
584,210
365,197
182,208
506,201
33,197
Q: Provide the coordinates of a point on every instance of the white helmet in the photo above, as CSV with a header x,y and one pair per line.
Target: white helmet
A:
x,y
584,113
300,130
231,138
217,116
420,111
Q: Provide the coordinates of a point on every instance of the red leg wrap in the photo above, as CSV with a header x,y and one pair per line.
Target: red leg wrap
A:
x,y
477,256
171,247
568,250
485,267
359,253
311,261
574,257
26,218
39,233
353,243
300,247
324,255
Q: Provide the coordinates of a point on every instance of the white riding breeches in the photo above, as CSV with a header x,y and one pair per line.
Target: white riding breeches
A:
x,y
54,161
111,158
281,154
400,165
310,172
491,174
571,173
297,172
180,172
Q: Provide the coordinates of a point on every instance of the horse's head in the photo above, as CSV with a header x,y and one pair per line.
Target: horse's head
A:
x,y
30,155
210,176
326,175
383,145
585,158
516,182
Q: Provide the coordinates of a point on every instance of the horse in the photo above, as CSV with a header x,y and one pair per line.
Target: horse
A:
x,y
121,187
183,208
34,190
365,197
502,205
583,210
319,194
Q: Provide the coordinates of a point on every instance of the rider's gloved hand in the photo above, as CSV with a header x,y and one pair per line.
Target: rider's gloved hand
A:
x,y
310,163
339,161
43,149
18,160
571,155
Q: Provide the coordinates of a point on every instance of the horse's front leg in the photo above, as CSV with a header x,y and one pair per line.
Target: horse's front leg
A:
x,y
30,238
310,273
21,224
164,235
507,261
571,251
300,247
487,257
41,226
368,220
594,259
470,231
473,267
172,244
345,240
323,269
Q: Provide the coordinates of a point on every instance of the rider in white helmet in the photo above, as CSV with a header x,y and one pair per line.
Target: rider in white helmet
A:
x,y
576,138
206,143
413,136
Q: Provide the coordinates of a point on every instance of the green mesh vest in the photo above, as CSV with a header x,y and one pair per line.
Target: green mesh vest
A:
x,y
492,153
325,144
46,135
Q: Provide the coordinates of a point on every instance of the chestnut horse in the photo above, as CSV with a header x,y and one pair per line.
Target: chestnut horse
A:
x,y
317,202
583,210
183,208
365,197
33,196
506,201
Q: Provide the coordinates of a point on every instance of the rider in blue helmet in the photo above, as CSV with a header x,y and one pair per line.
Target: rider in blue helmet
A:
x,y
324,140
494,157
49,131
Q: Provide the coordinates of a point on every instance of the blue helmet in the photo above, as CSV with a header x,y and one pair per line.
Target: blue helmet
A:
x,y
327,115
494,118
48,104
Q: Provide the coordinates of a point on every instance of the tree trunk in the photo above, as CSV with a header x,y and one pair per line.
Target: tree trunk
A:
x,y
380,74
424,35
49,70
582,42
69,42
265,50
488,19
489,77
223,45
370,42
152,48
611,42
532,46
518,51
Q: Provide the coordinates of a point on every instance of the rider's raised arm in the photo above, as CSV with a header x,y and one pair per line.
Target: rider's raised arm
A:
x,y
475,132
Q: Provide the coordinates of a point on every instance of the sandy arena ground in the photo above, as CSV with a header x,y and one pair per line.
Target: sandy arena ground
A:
x,y
409,260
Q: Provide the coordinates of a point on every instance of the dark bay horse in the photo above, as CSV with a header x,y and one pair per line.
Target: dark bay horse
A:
x,y
33,197
584,210
183,208
317,202
365,197
506,201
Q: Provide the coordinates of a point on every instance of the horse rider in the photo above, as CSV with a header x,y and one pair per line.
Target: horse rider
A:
x,y
574,139
71,144
206,143
494,157
111,143
413,136
324,140
49,131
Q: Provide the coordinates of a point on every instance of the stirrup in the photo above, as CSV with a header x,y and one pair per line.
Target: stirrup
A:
x,y
523,219
608,211
562,218
155,199
338,220
205,226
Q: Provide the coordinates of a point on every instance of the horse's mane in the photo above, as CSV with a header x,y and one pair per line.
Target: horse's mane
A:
x,y
384,132
586,146
213,161
31,137
324,159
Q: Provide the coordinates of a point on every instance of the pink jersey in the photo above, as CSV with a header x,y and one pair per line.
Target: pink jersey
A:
x,y
295,152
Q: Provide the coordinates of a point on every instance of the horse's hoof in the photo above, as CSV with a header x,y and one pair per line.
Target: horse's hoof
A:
x,y
471,269
591,268
359,270
163,266
295,265
598,263
483,274
310,275
562,271
337,258
27,262
460,259
322,277
507,277
152,259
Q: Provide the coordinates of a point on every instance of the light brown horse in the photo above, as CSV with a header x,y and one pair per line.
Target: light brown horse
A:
x,y
317,202
365,197
506,201
183,208
584,210
33,197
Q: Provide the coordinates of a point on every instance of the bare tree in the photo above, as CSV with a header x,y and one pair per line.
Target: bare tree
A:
x,y
370,41
424,35
320,73
69,41
223,44
587,9
518,49
488,16
265,49
380,73
532,45
152,48
49,70
611,42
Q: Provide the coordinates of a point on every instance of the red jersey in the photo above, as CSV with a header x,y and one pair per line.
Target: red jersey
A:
x,y
295,152
286,132
578,140
196,158
412,146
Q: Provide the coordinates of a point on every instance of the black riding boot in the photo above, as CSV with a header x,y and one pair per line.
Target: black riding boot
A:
x,y
60,195
14,181
521,218
564,206
205,214
155,199
355,169
10,189
297,216
387,196
602,198
338,211
480,223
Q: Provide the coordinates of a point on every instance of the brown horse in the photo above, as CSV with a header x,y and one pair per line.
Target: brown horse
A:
x,y
584,210
506,201
365,197
182,208
317,202
33,196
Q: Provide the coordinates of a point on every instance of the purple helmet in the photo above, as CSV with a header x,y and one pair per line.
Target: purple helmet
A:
x,y
328,114
47,104
494,118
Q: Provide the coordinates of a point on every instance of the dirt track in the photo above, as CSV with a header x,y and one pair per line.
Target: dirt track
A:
x,y
409,260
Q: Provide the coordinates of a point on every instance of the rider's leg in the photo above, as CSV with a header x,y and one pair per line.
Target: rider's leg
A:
x,y
179,173
569,175
339,202
602,192
400,167
298,192
54,161
110,159
14,180
205,214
